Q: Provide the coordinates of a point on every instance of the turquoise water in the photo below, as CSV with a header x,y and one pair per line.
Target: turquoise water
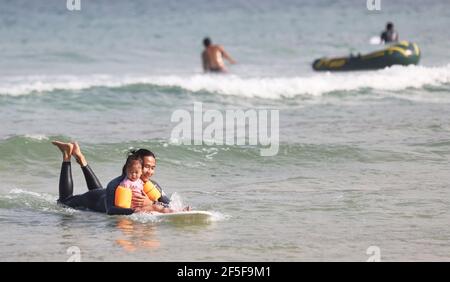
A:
x,y
363,157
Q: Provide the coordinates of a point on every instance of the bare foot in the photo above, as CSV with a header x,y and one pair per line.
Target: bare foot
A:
x,y
65,148
78,155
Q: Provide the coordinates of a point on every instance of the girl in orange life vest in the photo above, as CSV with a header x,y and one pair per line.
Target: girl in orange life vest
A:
x,y
132,183
133,186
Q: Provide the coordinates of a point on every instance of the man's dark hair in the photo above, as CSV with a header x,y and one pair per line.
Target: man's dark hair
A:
x,y
207,41
389,26
142,153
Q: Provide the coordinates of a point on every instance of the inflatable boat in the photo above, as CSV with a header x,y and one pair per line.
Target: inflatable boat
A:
x,y
403,53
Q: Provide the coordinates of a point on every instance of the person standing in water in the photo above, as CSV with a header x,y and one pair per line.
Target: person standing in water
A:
x,y
212,57
389,35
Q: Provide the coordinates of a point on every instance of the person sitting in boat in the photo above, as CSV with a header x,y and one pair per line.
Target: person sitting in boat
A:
x,y
389,35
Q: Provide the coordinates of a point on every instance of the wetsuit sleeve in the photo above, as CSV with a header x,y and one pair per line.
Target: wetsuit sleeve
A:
x,y
111,209
163,199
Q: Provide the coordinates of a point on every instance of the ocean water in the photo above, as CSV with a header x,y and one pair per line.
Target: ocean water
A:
x,y
363,157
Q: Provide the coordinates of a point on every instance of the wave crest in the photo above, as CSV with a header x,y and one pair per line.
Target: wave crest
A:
x,y
392,79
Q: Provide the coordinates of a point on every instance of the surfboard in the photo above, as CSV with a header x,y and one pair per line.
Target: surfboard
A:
x,y
185,216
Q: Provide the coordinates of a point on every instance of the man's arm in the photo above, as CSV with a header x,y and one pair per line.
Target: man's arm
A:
x,y
163,199
383,37
395,36
139,200
111,209
155,208
226,55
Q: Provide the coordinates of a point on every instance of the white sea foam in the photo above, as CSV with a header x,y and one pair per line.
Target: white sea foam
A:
x,y
391,79
41,196
38,137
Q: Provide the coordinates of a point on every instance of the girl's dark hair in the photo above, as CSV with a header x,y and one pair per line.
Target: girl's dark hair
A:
x,y
130,159
136,155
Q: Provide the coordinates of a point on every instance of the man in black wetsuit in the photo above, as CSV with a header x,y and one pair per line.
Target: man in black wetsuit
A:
x,y
100,199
